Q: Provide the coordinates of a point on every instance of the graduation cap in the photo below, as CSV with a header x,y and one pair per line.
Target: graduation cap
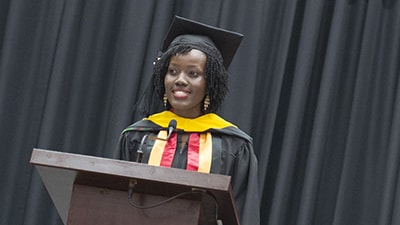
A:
x,y
197,34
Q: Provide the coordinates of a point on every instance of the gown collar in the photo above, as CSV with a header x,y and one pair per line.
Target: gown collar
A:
x,y
199,124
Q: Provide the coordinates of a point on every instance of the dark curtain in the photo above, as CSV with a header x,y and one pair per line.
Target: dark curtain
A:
x,y
316,83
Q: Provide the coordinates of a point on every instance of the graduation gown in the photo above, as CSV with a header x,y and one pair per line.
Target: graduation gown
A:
x,y
214,146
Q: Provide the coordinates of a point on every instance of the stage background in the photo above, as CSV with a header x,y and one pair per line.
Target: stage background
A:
x,y
316,83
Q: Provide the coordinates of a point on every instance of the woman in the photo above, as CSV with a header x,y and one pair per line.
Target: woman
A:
x,y
188,85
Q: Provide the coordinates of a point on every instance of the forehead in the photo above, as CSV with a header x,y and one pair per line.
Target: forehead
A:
x,y
193,56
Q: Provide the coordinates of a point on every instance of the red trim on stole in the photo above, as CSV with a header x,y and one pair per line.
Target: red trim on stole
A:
x,y
193,152
169,151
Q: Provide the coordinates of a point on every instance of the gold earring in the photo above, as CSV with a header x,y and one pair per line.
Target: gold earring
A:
x,y
165,99
206,103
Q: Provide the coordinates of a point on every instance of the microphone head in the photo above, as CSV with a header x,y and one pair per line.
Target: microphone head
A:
x,y
172,124
171,128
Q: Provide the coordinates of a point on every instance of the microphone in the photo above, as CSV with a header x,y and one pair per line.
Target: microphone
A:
x,y
139,152
171,128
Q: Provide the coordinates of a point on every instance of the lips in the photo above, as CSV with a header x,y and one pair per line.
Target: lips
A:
x,y
179,94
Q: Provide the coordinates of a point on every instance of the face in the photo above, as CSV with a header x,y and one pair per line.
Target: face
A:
x,y
185,83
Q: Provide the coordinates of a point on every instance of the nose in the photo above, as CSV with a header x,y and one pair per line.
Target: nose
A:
x,y
181,79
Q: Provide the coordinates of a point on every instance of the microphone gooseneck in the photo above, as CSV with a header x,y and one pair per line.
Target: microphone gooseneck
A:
x,y
139,153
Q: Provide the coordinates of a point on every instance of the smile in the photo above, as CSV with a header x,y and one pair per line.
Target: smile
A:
x,y
180,94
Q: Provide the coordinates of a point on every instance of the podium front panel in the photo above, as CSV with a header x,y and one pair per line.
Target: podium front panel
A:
x,y
102,206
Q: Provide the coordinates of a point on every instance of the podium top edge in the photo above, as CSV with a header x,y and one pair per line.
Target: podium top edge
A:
x,y
108,166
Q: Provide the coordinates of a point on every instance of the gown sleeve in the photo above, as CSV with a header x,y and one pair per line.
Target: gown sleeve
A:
x,y
245,185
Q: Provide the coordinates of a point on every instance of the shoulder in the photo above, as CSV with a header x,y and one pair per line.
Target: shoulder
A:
x,y
142,125
233,132
230,130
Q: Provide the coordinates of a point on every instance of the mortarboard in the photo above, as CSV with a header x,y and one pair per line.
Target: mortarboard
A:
x,y
194,33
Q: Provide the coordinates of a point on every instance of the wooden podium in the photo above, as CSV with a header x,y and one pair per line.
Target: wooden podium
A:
x,y
94,190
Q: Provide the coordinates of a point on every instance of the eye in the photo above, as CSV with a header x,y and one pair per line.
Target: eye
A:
x,y
172,71
194,73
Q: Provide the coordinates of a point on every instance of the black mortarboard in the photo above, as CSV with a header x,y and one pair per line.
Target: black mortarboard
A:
x,y
183,30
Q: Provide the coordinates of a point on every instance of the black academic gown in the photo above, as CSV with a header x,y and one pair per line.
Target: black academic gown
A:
x,y
232,154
